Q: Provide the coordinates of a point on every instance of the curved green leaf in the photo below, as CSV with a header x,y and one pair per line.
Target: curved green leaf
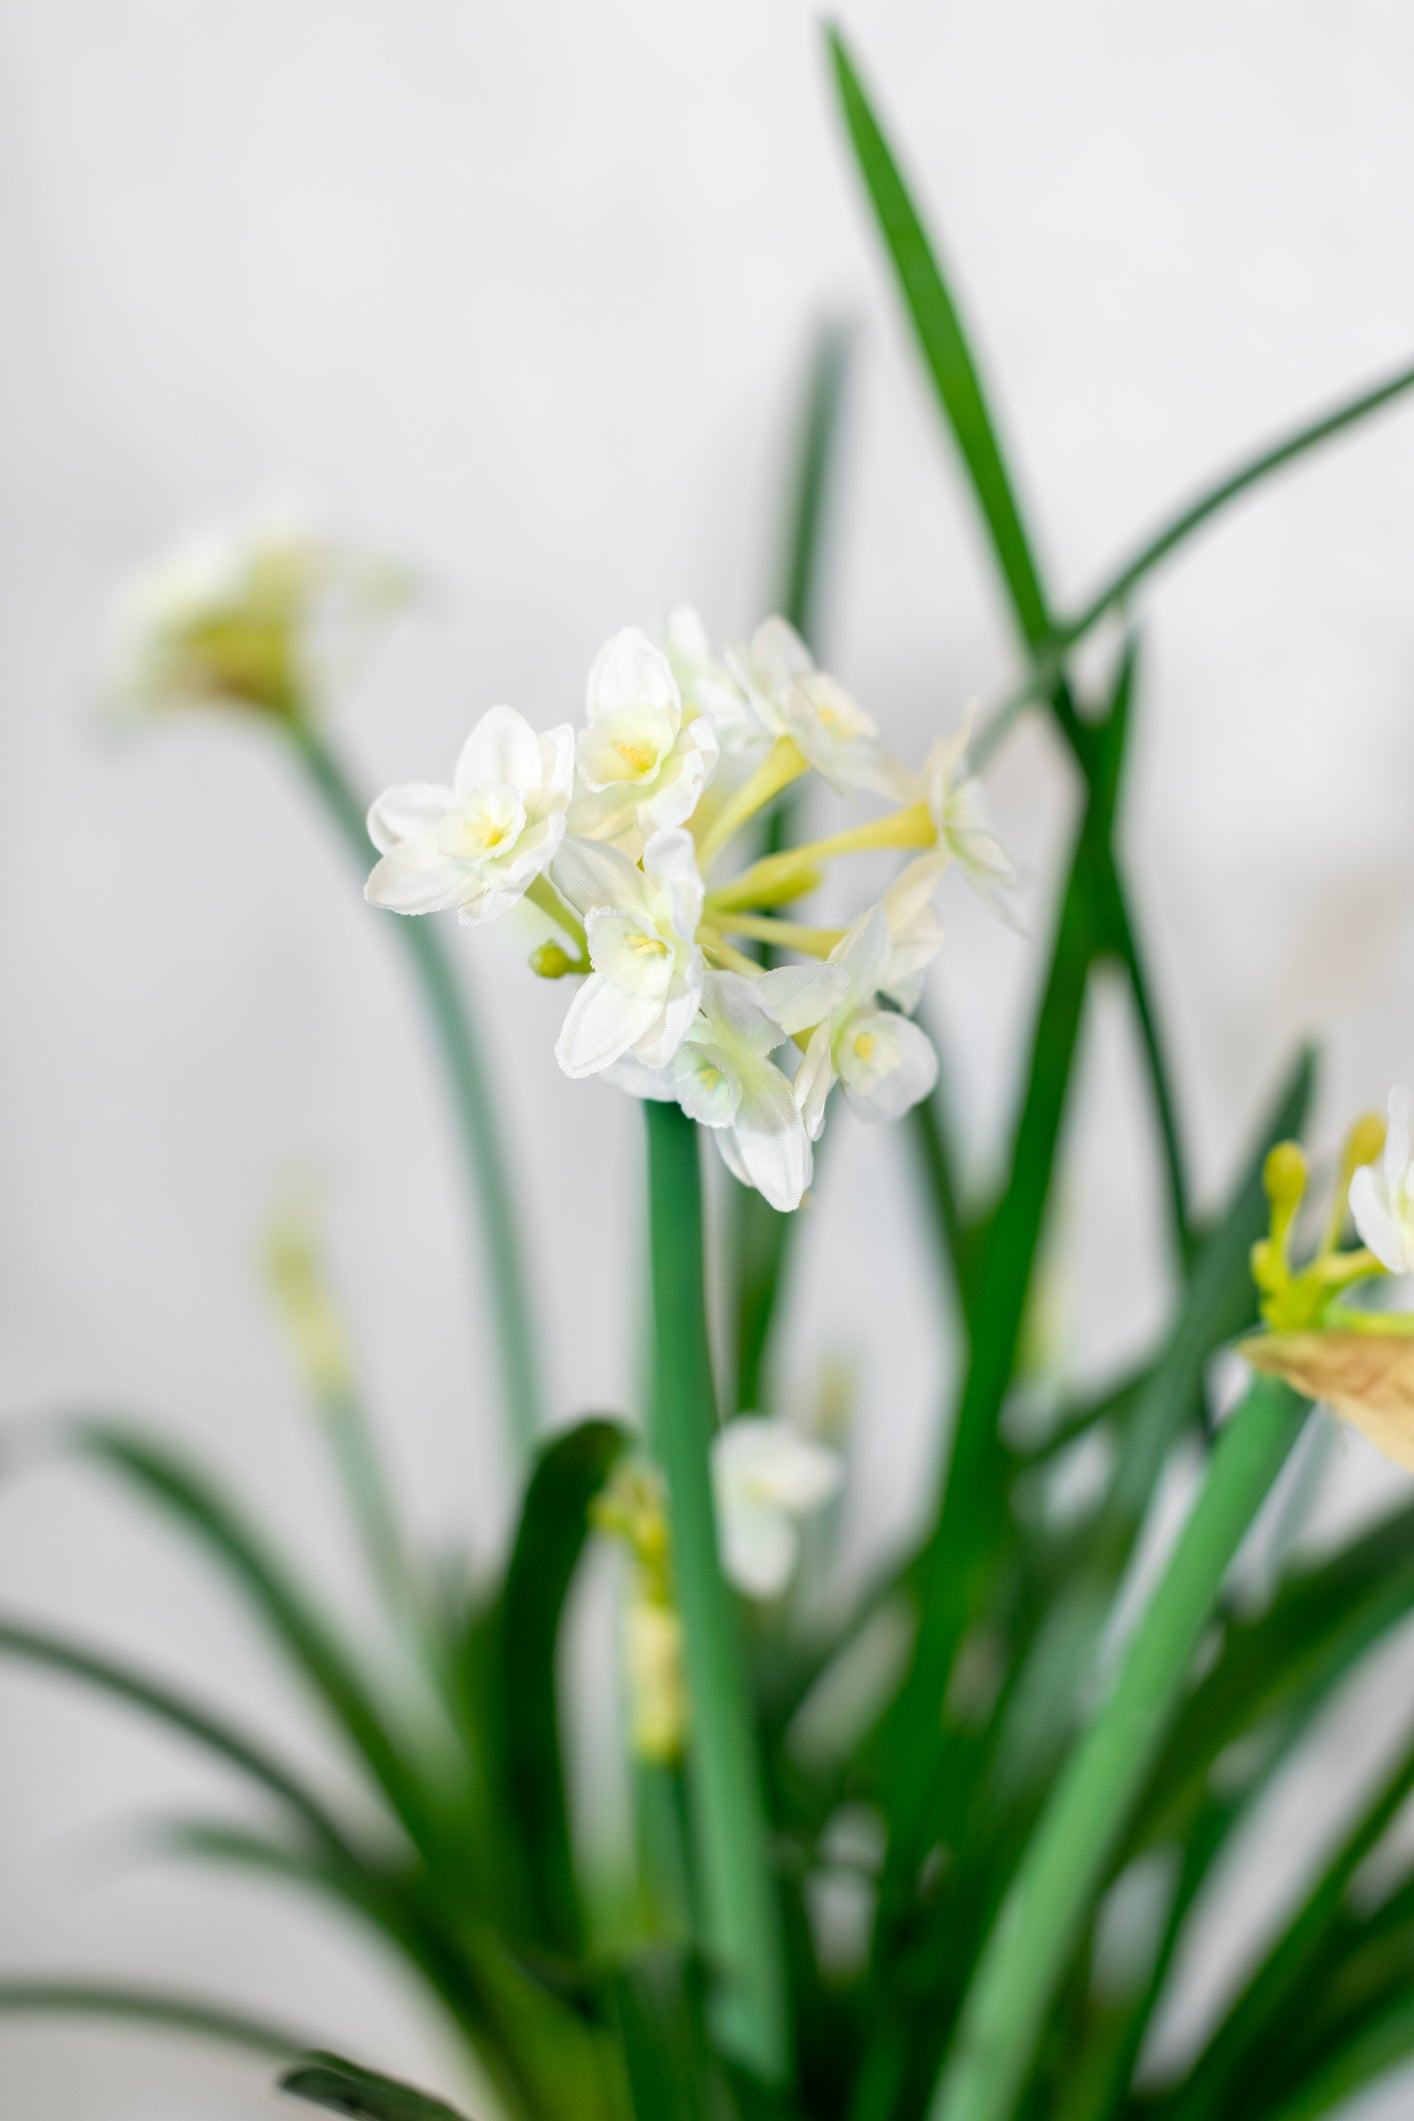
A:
x,y
142,2006
343,2088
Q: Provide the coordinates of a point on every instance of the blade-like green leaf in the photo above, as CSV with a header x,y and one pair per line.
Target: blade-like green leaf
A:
x,y
741,1917
666,2058
1067,1858
946,353
554,1521
213,1732
63,1998
219,1530
482,1127
343,2088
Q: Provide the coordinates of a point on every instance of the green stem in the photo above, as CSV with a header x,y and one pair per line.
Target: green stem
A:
x,y
740,1915
1025,1958
181,2014
481,1128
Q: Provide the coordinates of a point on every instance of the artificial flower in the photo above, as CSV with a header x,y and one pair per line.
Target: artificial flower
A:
x,y
766,1476
646,972
643,763
480,844
1382,1194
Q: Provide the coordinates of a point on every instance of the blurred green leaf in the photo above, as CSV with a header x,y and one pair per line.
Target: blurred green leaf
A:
x,y
343,2088
65,1998
666,2058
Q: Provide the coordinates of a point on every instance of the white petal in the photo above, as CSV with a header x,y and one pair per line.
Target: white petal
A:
x,y
798,996
670,861
759,1548
770,1138
403,813
629,950
595,878
887,1065
413,877
779,656
557,767
1379,1228
602,1023
631,671
706,1089
659,1085
772,1462
813,1080
501,748
1396,1158
659,1041
732,1002
864,953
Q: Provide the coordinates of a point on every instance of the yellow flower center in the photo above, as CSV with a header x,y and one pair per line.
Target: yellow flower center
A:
x,y
864,1046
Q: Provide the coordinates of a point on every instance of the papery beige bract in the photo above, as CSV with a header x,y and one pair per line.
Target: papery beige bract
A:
x,y
1365,1378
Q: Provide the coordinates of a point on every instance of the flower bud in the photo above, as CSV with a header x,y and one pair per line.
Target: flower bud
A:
x,y
1284,1176
1364,1142
549,961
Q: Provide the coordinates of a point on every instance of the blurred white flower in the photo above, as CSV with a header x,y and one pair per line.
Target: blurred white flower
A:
x,y
641,929
229,617
884,1062
791,698
1382,1194
723,1078
766,1476
959,811
480,844
642,762
707,684
915,928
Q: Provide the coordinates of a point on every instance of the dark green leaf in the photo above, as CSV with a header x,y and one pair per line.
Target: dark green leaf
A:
x,y
141,2006
343,2088
666,2057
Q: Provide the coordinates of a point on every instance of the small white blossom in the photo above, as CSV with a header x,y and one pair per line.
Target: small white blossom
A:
x,y
915,929
708,685
481,843
959,811
723,1077
641,928
1382,1194
766,1476
884,1062
643,763
791,698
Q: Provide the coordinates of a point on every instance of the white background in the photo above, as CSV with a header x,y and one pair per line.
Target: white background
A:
x,y
525,293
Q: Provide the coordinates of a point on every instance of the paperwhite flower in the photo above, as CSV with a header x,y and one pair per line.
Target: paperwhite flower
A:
x,y
765,1477
959,811
643,763
723,1077
885,1063
708,685
915,929
481,843
229,616
641,926
1382,1195
790,697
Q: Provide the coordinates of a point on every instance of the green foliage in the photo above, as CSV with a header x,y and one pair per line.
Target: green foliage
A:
x,y
976,1761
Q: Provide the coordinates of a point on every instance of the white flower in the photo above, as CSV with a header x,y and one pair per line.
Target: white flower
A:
x,y
641,928
915,930
723,1078
642,762
959,811
792,698
708,685
481,843
1382,1195
229,616
885,1063
766,1476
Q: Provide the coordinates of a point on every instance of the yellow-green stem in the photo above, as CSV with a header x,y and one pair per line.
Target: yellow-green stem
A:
x,y
786,935
543,894
783,763
779,877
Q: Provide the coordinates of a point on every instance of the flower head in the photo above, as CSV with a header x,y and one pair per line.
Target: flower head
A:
x,y
791,698
643,762
766,1476
1382,1194
646,965
885,1064
722,1074
230,617
959,812
707,685
479,844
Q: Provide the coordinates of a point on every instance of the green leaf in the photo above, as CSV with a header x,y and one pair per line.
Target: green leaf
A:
x,y
142,2006
742,1924
570,1472
666,2058
214,1732
1068,1856
946,353
343,2088
481,1126
219,1530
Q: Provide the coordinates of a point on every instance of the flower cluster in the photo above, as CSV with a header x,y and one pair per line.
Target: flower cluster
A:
x,y
622,833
